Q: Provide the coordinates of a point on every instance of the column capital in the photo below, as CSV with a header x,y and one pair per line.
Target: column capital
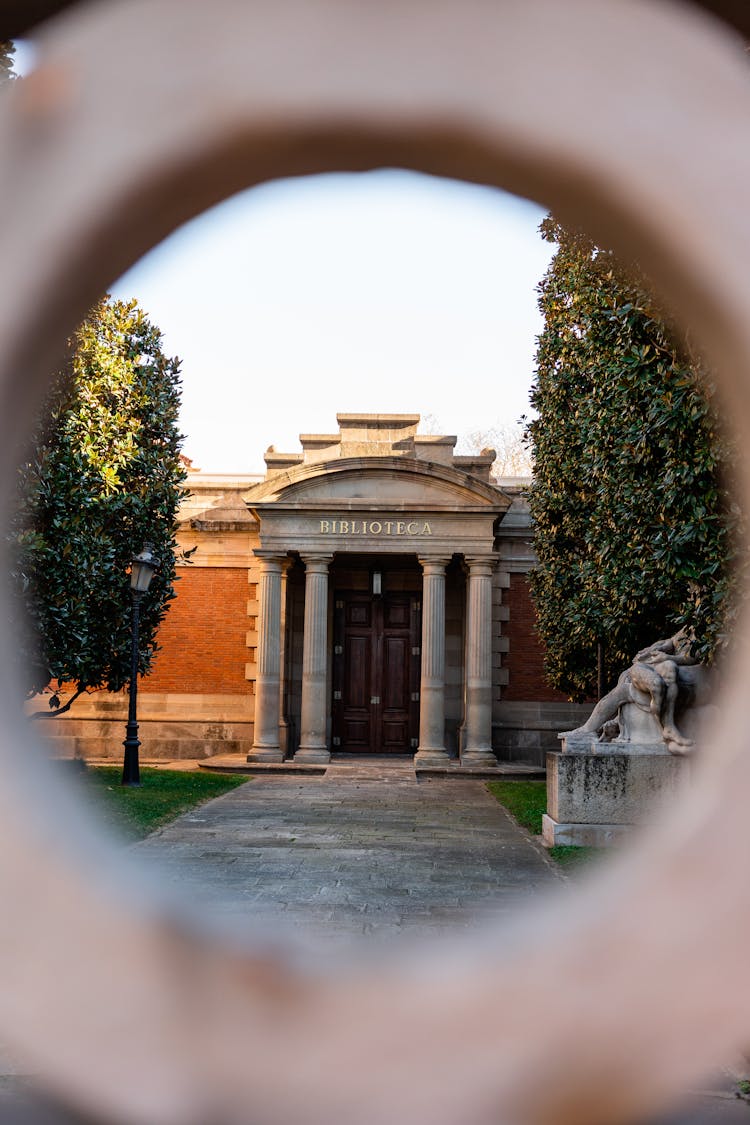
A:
x,y
317,562
271,560
434,563
479,563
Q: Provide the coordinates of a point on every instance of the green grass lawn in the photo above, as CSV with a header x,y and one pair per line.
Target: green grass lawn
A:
x,y
527,802
161,796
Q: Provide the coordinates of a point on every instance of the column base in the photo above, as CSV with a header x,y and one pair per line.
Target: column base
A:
x,y
431,756
478,758
266,754
312,754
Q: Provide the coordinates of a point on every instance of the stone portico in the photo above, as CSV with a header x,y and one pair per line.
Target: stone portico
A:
x,y
356,513
367,595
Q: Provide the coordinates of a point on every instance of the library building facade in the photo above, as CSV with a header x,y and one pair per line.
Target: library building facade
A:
x,y
366,596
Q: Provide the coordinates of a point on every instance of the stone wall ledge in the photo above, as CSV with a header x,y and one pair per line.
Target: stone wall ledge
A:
x,y
154,706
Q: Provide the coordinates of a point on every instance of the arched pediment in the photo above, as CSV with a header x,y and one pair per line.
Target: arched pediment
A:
x,y
376,504
398,483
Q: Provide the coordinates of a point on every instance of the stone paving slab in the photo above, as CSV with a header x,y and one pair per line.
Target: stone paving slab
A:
x,y
365,850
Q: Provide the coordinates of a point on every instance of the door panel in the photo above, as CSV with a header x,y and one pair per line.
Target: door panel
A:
x,y
357,717
395,691
359,613
396,613
358,670
395,739
375,673
357,734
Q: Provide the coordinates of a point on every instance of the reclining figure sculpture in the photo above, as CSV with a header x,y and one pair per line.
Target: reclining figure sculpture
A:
x,y
660,677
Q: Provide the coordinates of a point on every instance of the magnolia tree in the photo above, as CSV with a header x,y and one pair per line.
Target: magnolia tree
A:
x,y
102,479
635,531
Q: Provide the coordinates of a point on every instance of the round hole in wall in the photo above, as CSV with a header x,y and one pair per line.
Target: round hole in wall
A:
x,y
481,139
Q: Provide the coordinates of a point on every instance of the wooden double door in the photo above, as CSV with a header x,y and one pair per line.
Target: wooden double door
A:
x,y
376,671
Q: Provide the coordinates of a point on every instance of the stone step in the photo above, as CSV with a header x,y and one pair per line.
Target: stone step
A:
x,y
504,771
232,763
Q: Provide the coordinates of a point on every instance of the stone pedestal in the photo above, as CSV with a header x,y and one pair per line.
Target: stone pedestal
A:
x,y
596,798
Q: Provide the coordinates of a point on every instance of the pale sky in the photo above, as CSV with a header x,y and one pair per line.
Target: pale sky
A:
x,y
383,292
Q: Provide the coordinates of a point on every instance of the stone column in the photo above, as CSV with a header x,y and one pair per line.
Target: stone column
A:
x,y
283,723
477,732
313,744
266,744
431,750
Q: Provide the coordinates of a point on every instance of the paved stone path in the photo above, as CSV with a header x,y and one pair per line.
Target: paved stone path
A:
x,y
369,850
362,850
366,850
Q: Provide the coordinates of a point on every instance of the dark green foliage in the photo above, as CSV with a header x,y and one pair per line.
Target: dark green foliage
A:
x,y
7,51
161,796
635,531
104,477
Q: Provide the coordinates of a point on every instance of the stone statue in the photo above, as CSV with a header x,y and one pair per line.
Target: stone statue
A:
x,y
662,678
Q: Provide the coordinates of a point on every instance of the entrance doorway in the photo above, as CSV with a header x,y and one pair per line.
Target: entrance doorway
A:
x,y
376,672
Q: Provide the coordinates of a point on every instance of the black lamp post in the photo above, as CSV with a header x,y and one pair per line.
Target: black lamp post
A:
x,y
142,569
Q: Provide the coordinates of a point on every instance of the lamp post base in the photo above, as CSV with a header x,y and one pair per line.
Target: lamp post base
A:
x,y
131,773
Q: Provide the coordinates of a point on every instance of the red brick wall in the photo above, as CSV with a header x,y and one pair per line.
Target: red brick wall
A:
x,y
202,638
525,661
